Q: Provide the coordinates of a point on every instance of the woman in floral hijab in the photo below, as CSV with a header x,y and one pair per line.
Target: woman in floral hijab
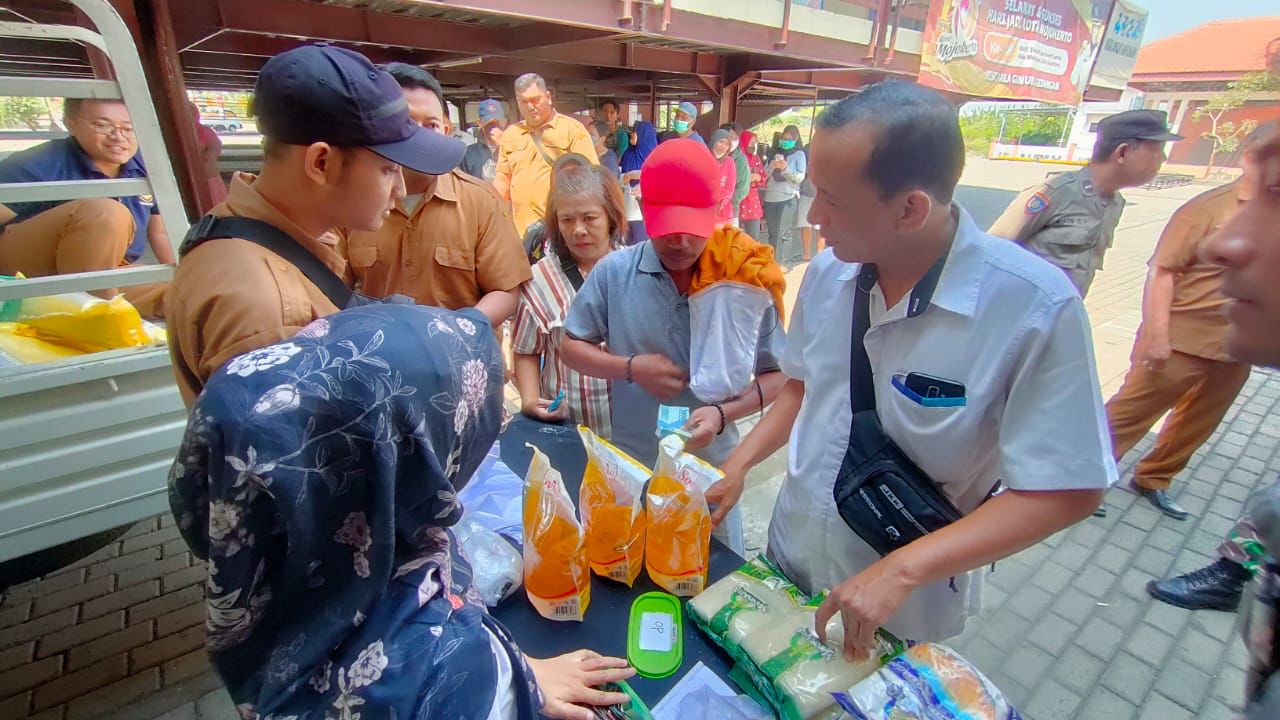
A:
x,y
318,477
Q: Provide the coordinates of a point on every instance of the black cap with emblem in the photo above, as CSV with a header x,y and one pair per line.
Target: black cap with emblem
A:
x,y
1137,125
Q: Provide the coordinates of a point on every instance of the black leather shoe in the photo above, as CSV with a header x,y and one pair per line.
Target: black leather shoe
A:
x,y
1101,511
1213,587
1161,500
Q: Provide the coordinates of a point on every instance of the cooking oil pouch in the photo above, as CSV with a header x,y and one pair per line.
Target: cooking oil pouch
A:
x,y
21,345
927,682
678,536
556,577
85,322
612,505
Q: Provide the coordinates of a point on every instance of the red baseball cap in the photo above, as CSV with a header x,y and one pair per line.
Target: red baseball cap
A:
x,y
678,186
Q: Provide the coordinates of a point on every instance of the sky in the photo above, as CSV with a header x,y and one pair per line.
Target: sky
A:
x,y
1169,17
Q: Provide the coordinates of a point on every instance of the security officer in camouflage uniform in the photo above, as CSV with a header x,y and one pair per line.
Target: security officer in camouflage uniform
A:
x,y
1070,219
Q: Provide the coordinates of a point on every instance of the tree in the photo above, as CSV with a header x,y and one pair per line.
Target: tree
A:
x,y
25,112
1226,134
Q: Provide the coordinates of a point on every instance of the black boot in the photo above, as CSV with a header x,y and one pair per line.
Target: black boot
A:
x,y
1213,587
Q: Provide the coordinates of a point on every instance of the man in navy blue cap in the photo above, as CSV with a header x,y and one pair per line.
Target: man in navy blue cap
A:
x,y
481,159
337,130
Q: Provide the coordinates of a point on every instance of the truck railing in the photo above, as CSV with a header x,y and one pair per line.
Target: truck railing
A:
x,y
115,40
86,442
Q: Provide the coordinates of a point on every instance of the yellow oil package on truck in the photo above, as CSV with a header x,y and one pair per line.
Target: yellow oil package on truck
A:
x,y
612,506
556,577
85,322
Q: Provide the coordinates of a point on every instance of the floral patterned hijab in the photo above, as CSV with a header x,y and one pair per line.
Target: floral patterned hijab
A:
x,y
318,477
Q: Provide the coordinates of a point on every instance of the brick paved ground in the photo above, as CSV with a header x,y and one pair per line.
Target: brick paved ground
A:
x,y
1067,631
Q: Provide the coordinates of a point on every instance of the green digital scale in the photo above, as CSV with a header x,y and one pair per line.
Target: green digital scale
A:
x,y
655,635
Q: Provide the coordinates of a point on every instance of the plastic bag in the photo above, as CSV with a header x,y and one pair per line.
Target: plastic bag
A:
x,y
726,319
494,496
496,565
21,345
805,672
678,542
556,577
753,596
923,683
85,322
612,509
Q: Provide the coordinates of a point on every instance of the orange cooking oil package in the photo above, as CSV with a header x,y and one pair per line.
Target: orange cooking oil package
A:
x,y
612,505
678,532
556,577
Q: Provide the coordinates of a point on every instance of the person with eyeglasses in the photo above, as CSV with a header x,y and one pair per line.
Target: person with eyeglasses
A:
x,y
58,237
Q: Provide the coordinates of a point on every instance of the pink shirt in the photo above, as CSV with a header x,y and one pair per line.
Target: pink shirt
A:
x,y
728,182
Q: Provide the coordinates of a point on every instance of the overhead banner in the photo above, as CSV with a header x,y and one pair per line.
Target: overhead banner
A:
x,y
1012,49
1120,45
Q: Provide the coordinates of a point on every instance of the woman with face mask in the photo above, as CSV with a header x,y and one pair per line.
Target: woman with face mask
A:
x,y
721,149
750,210
787,170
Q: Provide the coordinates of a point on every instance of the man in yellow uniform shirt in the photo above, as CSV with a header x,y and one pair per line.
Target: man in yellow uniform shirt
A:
x,y
529,148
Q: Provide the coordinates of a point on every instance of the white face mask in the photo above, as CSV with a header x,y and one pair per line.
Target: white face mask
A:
x,y
734,147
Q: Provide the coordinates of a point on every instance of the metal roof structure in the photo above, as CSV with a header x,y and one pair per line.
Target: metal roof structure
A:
x,y
634,49
750,58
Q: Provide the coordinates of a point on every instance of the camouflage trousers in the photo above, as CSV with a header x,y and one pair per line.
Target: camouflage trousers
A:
x,y
1243,546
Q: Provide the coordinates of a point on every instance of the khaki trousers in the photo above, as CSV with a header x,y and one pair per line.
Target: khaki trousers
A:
x,y
1198,390
77,236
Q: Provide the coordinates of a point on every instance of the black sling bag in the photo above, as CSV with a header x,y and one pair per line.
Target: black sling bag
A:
x,y
279,242
881,494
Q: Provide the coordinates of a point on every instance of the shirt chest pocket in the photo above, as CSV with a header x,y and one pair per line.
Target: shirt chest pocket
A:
x,y
363,257
521,147
555,142
455,259
1071,243
921,416
455,276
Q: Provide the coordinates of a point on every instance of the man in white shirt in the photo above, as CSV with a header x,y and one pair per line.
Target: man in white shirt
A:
x,y
1002,332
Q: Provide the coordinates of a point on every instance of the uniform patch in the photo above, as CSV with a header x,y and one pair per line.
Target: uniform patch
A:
x,y
1037,203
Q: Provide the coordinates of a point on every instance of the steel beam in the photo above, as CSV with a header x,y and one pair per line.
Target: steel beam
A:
x,y
710,84
554,35
168,88
834,79
632,57
295,18
727,33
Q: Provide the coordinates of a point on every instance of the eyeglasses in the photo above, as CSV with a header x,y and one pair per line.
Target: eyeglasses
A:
x,y
107,129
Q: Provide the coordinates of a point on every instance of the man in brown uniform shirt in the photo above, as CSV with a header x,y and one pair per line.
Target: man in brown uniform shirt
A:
x,y
1180,360
450,242
337,131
